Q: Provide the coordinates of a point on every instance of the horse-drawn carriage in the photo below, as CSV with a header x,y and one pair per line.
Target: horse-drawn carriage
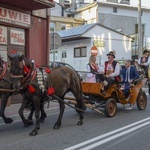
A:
x,y
37,86
95,99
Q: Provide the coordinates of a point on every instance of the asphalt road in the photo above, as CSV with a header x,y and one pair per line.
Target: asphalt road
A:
x,y
125,131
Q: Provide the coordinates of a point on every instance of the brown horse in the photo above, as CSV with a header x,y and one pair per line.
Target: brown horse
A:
x,y
6,90
5,83
38,85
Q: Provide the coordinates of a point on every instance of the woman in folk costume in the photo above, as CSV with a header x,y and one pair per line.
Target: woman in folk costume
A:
x,y
93,68
144,63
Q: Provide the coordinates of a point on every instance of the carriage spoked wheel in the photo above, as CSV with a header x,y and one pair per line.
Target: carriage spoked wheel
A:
x,y
141,100
110,107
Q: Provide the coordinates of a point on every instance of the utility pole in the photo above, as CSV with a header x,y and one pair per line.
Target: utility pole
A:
x,y
140,47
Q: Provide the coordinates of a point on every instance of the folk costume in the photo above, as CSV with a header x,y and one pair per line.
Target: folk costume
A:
x,y
93,68
144,62
111,69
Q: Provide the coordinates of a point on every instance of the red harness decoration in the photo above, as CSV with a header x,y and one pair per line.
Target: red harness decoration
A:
x,y
3,72
31,88
50,91
25,69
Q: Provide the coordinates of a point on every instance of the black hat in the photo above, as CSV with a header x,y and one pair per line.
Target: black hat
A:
x,y
111,53
145,51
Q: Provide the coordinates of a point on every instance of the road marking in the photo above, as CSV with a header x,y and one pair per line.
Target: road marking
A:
x,y
109,134
114,136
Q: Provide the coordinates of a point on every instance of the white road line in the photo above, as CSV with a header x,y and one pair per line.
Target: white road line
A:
x,y
114,136
105,135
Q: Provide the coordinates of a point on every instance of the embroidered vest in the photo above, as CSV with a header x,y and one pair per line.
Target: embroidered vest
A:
x,y
92,70
108,72
144,60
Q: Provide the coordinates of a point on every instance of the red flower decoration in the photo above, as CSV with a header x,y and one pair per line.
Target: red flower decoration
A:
x,y
47,70
31,88
37,65
50,91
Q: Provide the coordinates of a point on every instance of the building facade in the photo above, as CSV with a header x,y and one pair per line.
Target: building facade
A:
x,y
24,29
120,17
77,43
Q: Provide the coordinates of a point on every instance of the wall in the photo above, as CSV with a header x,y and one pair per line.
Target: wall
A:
x,y
113,41
68,47
37,41
57,10
89,15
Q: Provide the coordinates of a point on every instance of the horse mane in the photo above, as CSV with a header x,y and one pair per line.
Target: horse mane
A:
x,y
28,63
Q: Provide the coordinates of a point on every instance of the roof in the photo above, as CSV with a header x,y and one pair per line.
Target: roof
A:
x,y
76,31
80,30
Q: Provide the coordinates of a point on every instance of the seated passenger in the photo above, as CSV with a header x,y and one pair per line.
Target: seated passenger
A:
x,y
93,68
129,74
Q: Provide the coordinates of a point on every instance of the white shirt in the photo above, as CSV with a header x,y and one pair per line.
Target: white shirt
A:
x,y
145,64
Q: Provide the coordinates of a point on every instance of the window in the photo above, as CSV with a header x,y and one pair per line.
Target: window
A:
x,y
80,51
52,27
64,55
66,26
114,9
136,28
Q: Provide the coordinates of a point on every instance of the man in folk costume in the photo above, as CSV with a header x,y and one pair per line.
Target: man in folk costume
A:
x,y
111,70
144,63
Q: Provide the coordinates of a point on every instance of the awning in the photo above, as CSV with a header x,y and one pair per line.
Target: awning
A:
x,y
29,4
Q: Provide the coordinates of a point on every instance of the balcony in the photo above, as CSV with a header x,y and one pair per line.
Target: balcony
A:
x,y
29,4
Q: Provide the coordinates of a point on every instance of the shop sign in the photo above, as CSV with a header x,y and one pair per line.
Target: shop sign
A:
x,y
99,43
3,35
17,37
14,17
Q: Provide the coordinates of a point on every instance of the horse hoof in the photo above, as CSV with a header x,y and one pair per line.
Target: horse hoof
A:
x,y
56,126
33,133
80,122
8,120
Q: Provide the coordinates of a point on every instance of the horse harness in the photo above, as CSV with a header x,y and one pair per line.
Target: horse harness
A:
x,y
41,76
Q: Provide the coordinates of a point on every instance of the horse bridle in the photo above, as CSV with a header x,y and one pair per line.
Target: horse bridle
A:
x,y
20,66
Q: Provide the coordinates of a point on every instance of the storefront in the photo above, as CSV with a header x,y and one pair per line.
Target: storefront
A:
x,y
24,29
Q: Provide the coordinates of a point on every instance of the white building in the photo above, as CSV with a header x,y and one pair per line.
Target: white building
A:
x,y
120,17
77,43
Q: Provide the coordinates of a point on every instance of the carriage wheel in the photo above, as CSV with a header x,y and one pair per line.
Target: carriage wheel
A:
x,y
141,100
110,107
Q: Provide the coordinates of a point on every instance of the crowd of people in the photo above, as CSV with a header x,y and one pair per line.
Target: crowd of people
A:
x,y
113,72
